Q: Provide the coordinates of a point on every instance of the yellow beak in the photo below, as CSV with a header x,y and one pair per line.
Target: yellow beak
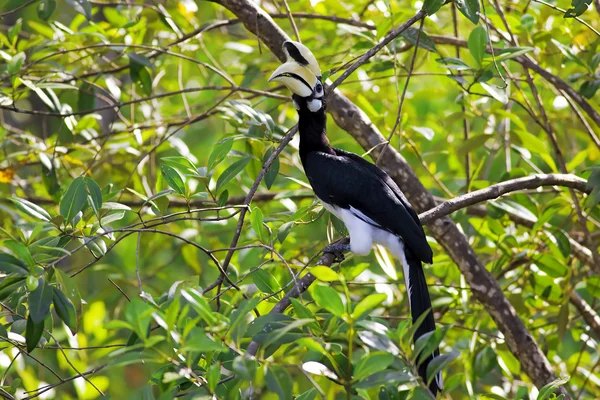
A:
x,y
298,79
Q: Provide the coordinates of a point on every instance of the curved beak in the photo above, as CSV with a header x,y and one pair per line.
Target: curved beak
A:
x,y
296,51
300,80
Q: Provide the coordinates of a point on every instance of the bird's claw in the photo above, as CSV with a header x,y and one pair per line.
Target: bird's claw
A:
x,y
337,250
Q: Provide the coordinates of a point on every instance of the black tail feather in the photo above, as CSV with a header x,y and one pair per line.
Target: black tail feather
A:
x,y
420,303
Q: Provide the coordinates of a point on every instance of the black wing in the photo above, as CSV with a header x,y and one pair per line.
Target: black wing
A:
x,y
346,180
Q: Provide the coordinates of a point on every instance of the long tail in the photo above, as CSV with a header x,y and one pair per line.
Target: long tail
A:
x,y
420,303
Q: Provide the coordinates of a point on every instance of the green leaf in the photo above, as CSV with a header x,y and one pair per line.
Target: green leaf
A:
x,y
256,220
231,172
21,251
14,65
589,88
82,7
562,320
219,153
223,197
478,40
550,388
241,312
469,8
96,245
453,63
371,364
10,285
312,393
284,230
427,133
278,334
551,266
568,53
138,71
31,209
425,42
65,310
432,6
383,378
244,368
273,170
139,315
593,184
69,288
368,303
200,305
173,179
265,282
86,97
496,92
74,199
304,312
578,7
14,30
39,301
427,343
327,298
595,62
439,363
181,163
512,52
12,265
485,361
592,285
198,341
324,273
95,194
33,333
513,207
45,9
279,382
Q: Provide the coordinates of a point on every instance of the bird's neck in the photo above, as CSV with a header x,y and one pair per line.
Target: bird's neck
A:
x,y
313,132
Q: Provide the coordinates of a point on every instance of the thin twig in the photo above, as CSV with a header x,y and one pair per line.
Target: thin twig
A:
x,y
398,122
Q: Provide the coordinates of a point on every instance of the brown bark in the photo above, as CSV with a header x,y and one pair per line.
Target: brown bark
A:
x,y
483,285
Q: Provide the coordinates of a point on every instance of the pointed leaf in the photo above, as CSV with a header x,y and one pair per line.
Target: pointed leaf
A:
x,y
173,179
39,301
469,8
368,303
231,172
74,199
478,40
219,152
65,310
33,333
31,209
439,363
370,364
327,298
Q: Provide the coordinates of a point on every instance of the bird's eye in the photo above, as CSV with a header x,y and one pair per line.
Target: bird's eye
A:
x,y
319,88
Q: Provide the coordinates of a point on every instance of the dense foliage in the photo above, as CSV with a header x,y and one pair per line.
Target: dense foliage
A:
x,y
132,131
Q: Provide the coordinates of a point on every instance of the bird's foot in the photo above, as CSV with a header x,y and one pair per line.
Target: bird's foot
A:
x,y
337,250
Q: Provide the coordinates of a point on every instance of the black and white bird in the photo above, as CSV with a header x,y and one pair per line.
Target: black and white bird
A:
x,y
364,197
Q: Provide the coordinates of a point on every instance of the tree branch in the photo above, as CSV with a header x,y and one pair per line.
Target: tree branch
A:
x,y
499,189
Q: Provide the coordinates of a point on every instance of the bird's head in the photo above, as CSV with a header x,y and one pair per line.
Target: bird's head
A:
x,y
302,75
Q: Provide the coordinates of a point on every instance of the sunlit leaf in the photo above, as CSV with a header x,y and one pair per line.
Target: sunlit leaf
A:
x,y
327,298
469,8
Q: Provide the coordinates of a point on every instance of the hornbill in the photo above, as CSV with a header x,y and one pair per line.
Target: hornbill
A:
x,y
364,197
